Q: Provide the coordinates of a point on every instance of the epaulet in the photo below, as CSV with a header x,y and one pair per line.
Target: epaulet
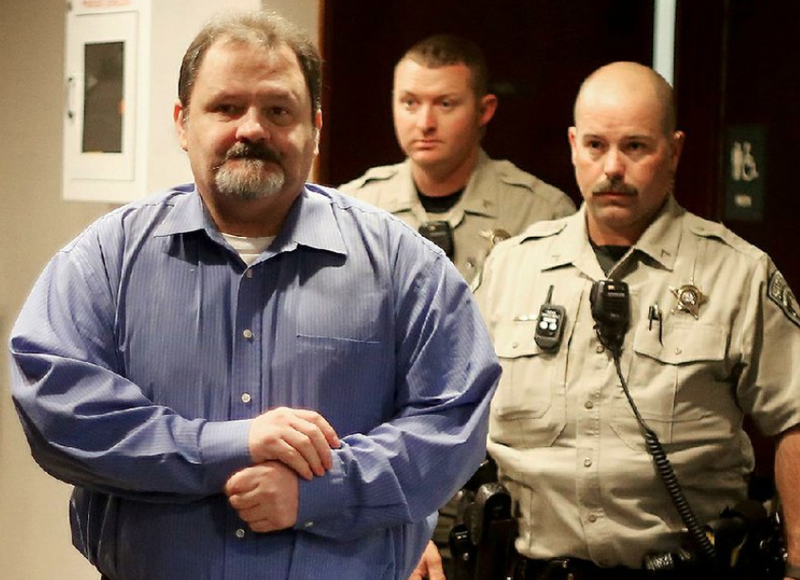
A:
x,y
513,175
717,231
542,229
374,174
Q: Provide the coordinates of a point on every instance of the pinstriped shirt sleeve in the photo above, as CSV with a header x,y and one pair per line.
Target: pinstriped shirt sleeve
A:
x,y
147,347
90,421
408,466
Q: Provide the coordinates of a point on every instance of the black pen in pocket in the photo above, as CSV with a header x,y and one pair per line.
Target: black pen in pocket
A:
x,y
654,315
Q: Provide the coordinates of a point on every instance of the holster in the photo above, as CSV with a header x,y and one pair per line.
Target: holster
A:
x,y
482,545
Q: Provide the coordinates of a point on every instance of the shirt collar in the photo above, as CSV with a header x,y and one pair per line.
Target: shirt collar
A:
x,y
662,238
572,245
660,241
480,193
480,196
406,197
310,221
188,214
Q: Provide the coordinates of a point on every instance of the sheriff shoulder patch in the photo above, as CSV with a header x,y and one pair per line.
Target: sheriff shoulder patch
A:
x,y
780,293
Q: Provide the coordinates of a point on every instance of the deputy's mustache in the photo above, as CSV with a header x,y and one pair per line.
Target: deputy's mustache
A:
x,y
615,185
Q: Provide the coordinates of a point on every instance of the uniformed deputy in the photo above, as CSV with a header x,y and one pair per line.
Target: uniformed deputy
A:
x,y
448,187
713,334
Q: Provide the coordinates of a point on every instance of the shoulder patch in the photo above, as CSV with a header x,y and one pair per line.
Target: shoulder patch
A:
x,y
780,293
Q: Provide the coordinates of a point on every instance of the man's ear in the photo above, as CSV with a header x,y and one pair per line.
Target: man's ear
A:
x,y
317,129
572,135
179,116
487,107
678,139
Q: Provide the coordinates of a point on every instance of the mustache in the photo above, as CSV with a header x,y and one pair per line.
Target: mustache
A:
x,y
615,185
245,150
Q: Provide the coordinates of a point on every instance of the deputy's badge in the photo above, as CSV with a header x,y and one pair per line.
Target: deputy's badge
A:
x,y
689,299
780,293
495,236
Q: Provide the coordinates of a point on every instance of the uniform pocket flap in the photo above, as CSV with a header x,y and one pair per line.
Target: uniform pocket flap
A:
x,y
514,339
681,342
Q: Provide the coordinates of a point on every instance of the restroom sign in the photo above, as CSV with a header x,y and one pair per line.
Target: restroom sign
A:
x,y
745,170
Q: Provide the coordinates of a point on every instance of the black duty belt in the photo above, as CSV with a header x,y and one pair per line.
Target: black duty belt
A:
x,y
574,569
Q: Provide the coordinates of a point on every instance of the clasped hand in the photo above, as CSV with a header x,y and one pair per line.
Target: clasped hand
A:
x,y
285,444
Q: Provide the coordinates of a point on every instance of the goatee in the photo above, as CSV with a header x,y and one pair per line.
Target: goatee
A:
x,y
249,178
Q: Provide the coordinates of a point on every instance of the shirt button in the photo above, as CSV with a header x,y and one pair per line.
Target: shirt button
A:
x,y
514,344
678,350
599,349
588,405
247,333
592,518
240,533
587,462
246,398
248,274
470,264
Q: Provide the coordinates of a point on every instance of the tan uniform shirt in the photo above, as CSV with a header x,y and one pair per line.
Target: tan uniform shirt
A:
x,y
561,430
498,196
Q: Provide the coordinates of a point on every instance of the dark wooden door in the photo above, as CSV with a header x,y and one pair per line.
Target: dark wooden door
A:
x,y
737,66
538,53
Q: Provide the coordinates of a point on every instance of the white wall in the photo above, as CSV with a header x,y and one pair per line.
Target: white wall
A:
x,y
34,224
304,13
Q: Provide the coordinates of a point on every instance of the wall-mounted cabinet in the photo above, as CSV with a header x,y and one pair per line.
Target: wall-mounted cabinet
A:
x,y
122,64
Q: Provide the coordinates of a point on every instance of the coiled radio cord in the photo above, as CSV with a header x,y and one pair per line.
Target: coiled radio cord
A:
x,y
664,467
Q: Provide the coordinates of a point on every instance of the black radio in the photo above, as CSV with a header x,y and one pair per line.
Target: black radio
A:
x,y
549,324
611,311
440,233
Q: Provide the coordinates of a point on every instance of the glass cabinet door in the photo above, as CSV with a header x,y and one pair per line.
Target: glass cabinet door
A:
x,y
101,97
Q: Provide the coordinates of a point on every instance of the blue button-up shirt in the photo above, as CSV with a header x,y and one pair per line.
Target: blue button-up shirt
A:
x,y
148,346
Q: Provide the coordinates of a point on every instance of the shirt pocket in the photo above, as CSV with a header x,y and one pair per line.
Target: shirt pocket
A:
x,y
345,380
676,382
529,407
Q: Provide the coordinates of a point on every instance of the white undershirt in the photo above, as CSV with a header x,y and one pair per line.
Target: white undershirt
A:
x,y
248,248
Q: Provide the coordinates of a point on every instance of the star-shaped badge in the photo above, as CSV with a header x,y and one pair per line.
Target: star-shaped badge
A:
x,y
495,236
689,299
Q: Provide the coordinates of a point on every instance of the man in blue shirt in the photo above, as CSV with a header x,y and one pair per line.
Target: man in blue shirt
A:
x,y
252,377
